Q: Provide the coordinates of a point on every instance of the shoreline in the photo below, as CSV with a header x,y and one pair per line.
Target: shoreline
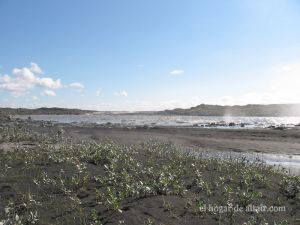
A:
x,y
279,148
235,140
244,140
65,166
274,146
153,121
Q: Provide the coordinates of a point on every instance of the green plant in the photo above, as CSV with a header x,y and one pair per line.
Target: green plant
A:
x,y
167,205
149,221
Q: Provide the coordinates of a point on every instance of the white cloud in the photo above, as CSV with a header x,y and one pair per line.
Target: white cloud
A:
x,y
49,93
24,74
4,79
35,68
121,94
24,79
76,85
177,72
34,98
98,93
48,83
15,86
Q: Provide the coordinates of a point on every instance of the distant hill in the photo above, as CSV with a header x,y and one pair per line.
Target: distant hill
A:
x,y
273,110
43,111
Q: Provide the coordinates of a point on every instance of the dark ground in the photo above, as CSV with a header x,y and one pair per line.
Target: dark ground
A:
x,y
238,140
26,159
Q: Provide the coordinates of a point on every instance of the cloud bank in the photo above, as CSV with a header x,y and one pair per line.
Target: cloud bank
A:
x,y
23,80
283,87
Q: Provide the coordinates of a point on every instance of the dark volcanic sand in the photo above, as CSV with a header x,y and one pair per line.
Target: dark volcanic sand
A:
x,y
238,140
253,140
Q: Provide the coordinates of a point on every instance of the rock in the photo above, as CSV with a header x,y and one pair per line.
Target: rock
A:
x,y
60,132
280,128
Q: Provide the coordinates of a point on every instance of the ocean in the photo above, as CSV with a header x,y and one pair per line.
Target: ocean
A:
x,y
171,120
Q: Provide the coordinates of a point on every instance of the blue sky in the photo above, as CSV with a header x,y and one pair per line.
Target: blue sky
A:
x,y
148,55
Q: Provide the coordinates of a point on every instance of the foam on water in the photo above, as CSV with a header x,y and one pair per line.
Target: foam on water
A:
x,y
164,120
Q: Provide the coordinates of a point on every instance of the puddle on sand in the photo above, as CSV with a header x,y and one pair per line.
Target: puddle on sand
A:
x,y
291,163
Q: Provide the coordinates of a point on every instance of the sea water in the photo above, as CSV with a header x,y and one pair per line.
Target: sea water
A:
x,y
171,120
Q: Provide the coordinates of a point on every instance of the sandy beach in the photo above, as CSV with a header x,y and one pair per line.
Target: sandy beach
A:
x,y
237,140
81,175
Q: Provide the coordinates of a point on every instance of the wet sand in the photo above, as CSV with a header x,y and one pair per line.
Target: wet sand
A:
x,y
236,140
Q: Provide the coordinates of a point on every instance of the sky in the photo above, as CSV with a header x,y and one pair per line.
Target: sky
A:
x,y
148,54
